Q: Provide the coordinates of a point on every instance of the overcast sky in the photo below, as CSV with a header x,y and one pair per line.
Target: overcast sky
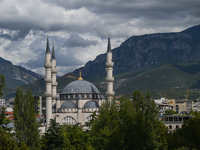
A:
x,y
79,28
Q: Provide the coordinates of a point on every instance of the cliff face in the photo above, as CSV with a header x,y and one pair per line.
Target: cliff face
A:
x,y
148,51
16,75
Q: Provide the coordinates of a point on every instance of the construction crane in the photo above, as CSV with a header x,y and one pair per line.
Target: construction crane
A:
x,y
187,93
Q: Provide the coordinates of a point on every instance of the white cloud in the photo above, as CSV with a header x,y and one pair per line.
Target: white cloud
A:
x,y
25,25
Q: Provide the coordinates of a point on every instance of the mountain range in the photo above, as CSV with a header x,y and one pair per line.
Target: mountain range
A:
x,y
15,76
166,64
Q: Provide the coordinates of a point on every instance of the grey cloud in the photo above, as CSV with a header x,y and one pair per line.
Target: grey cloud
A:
x,y
64,57
61,60
111,13
76,41
120,18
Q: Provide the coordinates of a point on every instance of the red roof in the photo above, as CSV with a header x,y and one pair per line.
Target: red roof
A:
x,y
10,117
8,112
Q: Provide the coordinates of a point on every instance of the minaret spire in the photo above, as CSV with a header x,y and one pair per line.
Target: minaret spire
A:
x,y
109,45
109,73
53,53
47,47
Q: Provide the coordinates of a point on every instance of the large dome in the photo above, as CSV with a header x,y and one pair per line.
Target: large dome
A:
x,y
80,86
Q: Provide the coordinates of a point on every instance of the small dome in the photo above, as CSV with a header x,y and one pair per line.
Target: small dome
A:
x,y
80,86
102,97
91,104
54,106
68,104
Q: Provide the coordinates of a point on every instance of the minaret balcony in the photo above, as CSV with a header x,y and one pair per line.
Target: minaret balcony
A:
x,y
54,83
110,93
54,70
109,79
48,65
48,94
47,80
109,64
54,96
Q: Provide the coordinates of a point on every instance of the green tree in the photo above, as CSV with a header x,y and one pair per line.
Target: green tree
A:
x,y
6,141
2,83
26,126
131,125
105,128
2,115
66,137
3,118
188,135
169,112
53,139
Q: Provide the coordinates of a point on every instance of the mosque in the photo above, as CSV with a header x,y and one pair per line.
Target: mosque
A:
x,y
80,98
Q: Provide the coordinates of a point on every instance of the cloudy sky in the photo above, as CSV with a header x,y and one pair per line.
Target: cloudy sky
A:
x,y
79,28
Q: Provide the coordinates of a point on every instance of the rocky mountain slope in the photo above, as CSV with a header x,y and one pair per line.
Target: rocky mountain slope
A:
x,y
163,63
148,51
16,75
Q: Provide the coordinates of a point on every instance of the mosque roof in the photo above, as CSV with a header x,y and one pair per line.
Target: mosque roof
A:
x,y
68,104
91,104
80,86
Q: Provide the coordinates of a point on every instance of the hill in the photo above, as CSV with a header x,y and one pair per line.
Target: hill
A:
x,y
148,51
163,63
15,76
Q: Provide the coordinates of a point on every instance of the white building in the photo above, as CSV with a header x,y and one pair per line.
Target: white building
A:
x,y
79,99
2,102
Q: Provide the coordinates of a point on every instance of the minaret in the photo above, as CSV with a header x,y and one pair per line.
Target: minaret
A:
x,y
48,81
109,73
53,74
79,102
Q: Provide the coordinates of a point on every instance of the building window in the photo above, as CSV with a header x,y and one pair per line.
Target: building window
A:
x,y
177,126
88,119
170,126
166,119
175,119
170,118
180,118
68,120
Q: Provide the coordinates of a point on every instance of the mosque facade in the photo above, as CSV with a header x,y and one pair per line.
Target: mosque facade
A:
x,y
80,98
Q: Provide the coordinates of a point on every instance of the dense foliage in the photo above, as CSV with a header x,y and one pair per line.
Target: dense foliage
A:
x,y
169,112
188,136
67,137
2,84
26,126
132,124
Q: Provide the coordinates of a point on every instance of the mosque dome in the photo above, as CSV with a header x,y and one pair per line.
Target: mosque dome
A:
x,y
67,105
91,104
80,86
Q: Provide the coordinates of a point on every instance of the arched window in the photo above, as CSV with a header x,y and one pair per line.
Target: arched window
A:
x,y
88,119
68,120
